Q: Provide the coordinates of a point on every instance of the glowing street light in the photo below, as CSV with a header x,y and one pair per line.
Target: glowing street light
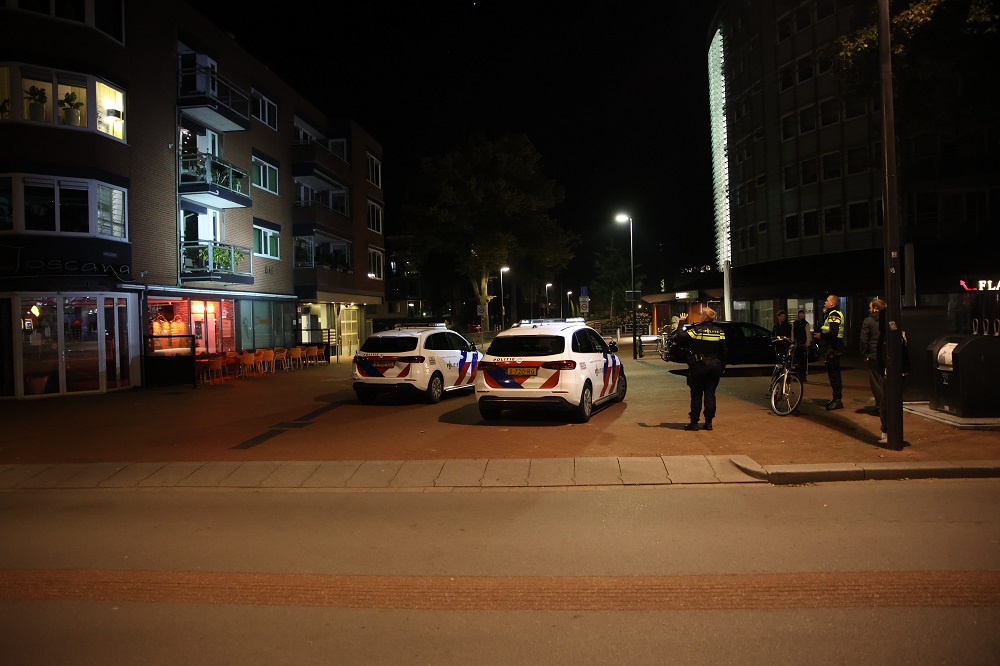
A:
x,y
503,310
625,217
570,303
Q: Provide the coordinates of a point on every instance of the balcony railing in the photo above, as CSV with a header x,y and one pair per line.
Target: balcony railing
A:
x,y
197,83
211,258
209,169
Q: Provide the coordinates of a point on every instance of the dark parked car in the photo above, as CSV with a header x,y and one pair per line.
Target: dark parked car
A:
x,y
745,344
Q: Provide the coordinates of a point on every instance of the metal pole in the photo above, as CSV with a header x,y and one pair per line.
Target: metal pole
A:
x,y
892,396
631,253
502,311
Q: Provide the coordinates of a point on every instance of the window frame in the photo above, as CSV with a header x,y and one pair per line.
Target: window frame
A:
x,y
263,167
374,171
267,237
376,263
92,187
376,215
264,109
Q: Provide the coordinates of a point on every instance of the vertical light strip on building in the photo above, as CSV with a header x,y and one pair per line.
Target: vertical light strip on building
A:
x,y
720,140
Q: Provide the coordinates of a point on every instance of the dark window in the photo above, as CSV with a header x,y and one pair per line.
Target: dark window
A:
x,y
829,112
803,17
791,176
810,223
74,210
786,77
807,119
39,208
527,345
804,66
809,171
857,159
784,28
788,125
833,220
791,227
389,344
831,166
858,216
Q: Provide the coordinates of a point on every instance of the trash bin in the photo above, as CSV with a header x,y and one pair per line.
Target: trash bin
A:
x,y
966,371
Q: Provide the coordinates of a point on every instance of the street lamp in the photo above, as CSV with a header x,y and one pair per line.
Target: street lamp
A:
x,y
623,217
503,311
547,285
568,302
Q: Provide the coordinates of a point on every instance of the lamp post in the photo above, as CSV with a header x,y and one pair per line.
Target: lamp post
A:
x,y
503,310
623,217
568,302
547,285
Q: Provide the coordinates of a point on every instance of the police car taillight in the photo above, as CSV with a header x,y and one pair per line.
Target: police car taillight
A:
x,y
410,359
556,365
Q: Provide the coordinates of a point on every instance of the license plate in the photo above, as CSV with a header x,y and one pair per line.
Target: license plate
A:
x,y
383,364
522,372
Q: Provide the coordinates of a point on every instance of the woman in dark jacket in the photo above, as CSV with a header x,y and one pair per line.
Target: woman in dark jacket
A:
x,y
869,349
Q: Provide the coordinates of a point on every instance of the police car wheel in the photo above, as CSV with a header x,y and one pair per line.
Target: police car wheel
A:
x,y
435,389
586,406
365,396
622,388
489,413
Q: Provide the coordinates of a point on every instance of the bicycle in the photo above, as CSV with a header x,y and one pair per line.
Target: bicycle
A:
x,y
785,392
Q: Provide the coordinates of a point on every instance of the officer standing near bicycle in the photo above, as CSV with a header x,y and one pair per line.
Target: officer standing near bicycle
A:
x,y
706,345
832,334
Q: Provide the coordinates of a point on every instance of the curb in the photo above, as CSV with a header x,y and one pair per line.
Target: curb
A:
x,y
817,473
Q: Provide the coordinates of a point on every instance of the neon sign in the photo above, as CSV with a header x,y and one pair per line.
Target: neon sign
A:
x,y
984,285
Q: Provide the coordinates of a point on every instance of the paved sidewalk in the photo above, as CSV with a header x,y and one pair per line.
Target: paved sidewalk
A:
x,y
220,436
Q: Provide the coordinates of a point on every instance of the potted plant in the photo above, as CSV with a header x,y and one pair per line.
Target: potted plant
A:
x,y
71,109
37,98
5,109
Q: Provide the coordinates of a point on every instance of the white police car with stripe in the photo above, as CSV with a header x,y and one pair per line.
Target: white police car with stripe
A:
x,y
559,364
426,360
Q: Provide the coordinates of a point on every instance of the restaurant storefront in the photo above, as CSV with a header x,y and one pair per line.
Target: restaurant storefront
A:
x,y
58,343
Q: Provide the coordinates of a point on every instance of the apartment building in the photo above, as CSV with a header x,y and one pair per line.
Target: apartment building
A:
x,y
164,194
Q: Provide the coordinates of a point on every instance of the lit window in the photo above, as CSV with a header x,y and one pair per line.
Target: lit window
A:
x,y
374,217
376,264
265,176
263,109
266,242
110,111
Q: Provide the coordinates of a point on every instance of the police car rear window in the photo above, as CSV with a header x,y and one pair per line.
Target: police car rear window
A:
x,y
527,345
389,344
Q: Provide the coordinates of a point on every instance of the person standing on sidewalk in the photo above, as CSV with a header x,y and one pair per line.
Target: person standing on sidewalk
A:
x,y
706,345
832,335
869,349
800,334
782,329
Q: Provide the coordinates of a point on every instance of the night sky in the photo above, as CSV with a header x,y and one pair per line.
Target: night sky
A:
x,y
615,99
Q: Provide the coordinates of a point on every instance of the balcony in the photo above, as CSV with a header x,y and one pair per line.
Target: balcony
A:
x,y
316,166
210,181
212,101
211,261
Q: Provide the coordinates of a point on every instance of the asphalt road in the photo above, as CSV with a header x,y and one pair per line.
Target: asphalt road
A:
x,y
880,572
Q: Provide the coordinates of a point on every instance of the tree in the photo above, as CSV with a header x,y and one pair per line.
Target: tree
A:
x,y
612,277
944,54
486,205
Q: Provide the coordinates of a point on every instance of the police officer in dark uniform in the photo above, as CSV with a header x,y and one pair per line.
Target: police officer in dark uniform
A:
x,y
706,345
832,334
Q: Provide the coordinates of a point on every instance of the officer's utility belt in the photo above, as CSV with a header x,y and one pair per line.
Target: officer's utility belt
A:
x,y
703,357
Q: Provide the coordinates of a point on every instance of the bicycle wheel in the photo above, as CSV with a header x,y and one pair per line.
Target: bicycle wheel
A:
x,y
786,395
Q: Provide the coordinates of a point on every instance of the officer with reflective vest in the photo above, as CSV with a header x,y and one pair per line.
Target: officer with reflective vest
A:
x,y
831,333
706,345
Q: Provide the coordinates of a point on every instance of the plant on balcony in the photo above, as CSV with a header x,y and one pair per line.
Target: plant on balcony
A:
x,y
71,109
37,98
5,108
221,258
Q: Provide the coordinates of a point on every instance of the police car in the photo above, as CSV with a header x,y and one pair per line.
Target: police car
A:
x,y
558,364
425,360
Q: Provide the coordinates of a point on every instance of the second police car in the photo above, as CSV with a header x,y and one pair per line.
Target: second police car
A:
x,y
425,360
560,364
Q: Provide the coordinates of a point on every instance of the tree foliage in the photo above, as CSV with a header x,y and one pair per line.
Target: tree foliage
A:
x,y
486,205
944,55
612,278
